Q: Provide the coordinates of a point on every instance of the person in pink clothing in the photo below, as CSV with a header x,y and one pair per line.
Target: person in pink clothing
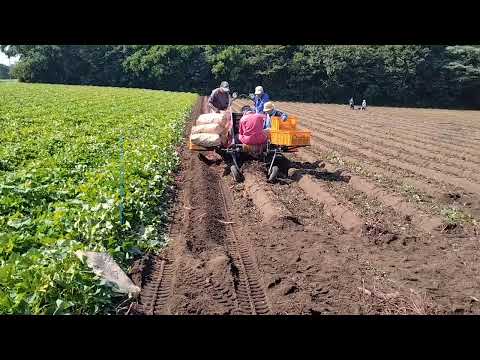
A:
x,y
250,130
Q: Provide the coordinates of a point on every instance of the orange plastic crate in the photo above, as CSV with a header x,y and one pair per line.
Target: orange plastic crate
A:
x,y
289,137
289,124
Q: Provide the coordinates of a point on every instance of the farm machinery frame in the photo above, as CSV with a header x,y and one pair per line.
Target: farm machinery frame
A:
x,y
234,153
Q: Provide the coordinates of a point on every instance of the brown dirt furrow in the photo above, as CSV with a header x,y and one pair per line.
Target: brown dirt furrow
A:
x,y
446,128
348,127
393,255
271,212
451,149
318,110
440,117
424,222
392,156
446,132
376,172
426,186
436,175
427,190
434,190
413,158
317,270
398,143
345,217
410,137
398,126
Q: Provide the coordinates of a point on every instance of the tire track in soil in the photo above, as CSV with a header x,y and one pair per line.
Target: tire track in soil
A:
x,y
206,268
249,288
155,293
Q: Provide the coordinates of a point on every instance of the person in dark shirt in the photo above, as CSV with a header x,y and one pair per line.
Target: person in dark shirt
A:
x,y
220,98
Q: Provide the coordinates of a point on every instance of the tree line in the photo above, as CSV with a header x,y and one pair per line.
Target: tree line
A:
x,y
390,75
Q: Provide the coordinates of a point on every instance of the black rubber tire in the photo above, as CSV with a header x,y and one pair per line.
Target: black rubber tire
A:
x,y
237,176
273,174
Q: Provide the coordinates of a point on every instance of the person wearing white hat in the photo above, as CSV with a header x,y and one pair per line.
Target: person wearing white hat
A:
x,y
364,104
260,99
270,111
220,98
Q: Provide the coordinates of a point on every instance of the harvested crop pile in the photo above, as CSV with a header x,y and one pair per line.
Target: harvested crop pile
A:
x,y
210,130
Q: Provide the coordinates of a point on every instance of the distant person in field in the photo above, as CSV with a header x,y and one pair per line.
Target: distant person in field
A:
x,y
364,104
250,129
260,99
220,98
352,104
270,111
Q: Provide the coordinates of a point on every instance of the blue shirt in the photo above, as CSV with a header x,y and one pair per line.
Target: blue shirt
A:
x,y
260,101
268,121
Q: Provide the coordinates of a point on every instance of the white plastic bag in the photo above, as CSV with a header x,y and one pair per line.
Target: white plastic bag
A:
x,y
103,265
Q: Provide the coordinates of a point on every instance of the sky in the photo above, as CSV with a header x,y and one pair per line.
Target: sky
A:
x,y
4,59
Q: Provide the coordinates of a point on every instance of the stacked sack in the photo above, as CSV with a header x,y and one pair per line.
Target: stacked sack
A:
x,y
210,130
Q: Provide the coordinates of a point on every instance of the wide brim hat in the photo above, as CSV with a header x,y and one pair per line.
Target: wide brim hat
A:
x,y
269,106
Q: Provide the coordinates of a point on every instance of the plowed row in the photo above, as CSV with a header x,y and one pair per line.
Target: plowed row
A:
x,y
356,223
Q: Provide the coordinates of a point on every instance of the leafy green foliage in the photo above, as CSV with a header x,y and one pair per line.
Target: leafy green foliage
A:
x,y
59,187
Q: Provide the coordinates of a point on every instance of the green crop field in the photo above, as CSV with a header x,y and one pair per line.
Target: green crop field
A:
x,y
60,176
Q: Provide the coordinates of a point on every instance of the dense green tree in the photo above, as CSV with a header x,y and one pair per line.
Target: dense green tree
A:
x,y
464,67
395,75
169,67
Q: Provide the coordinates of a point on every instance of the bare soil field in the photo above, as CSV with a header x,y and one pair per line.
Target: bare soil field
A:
x,y
379,216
